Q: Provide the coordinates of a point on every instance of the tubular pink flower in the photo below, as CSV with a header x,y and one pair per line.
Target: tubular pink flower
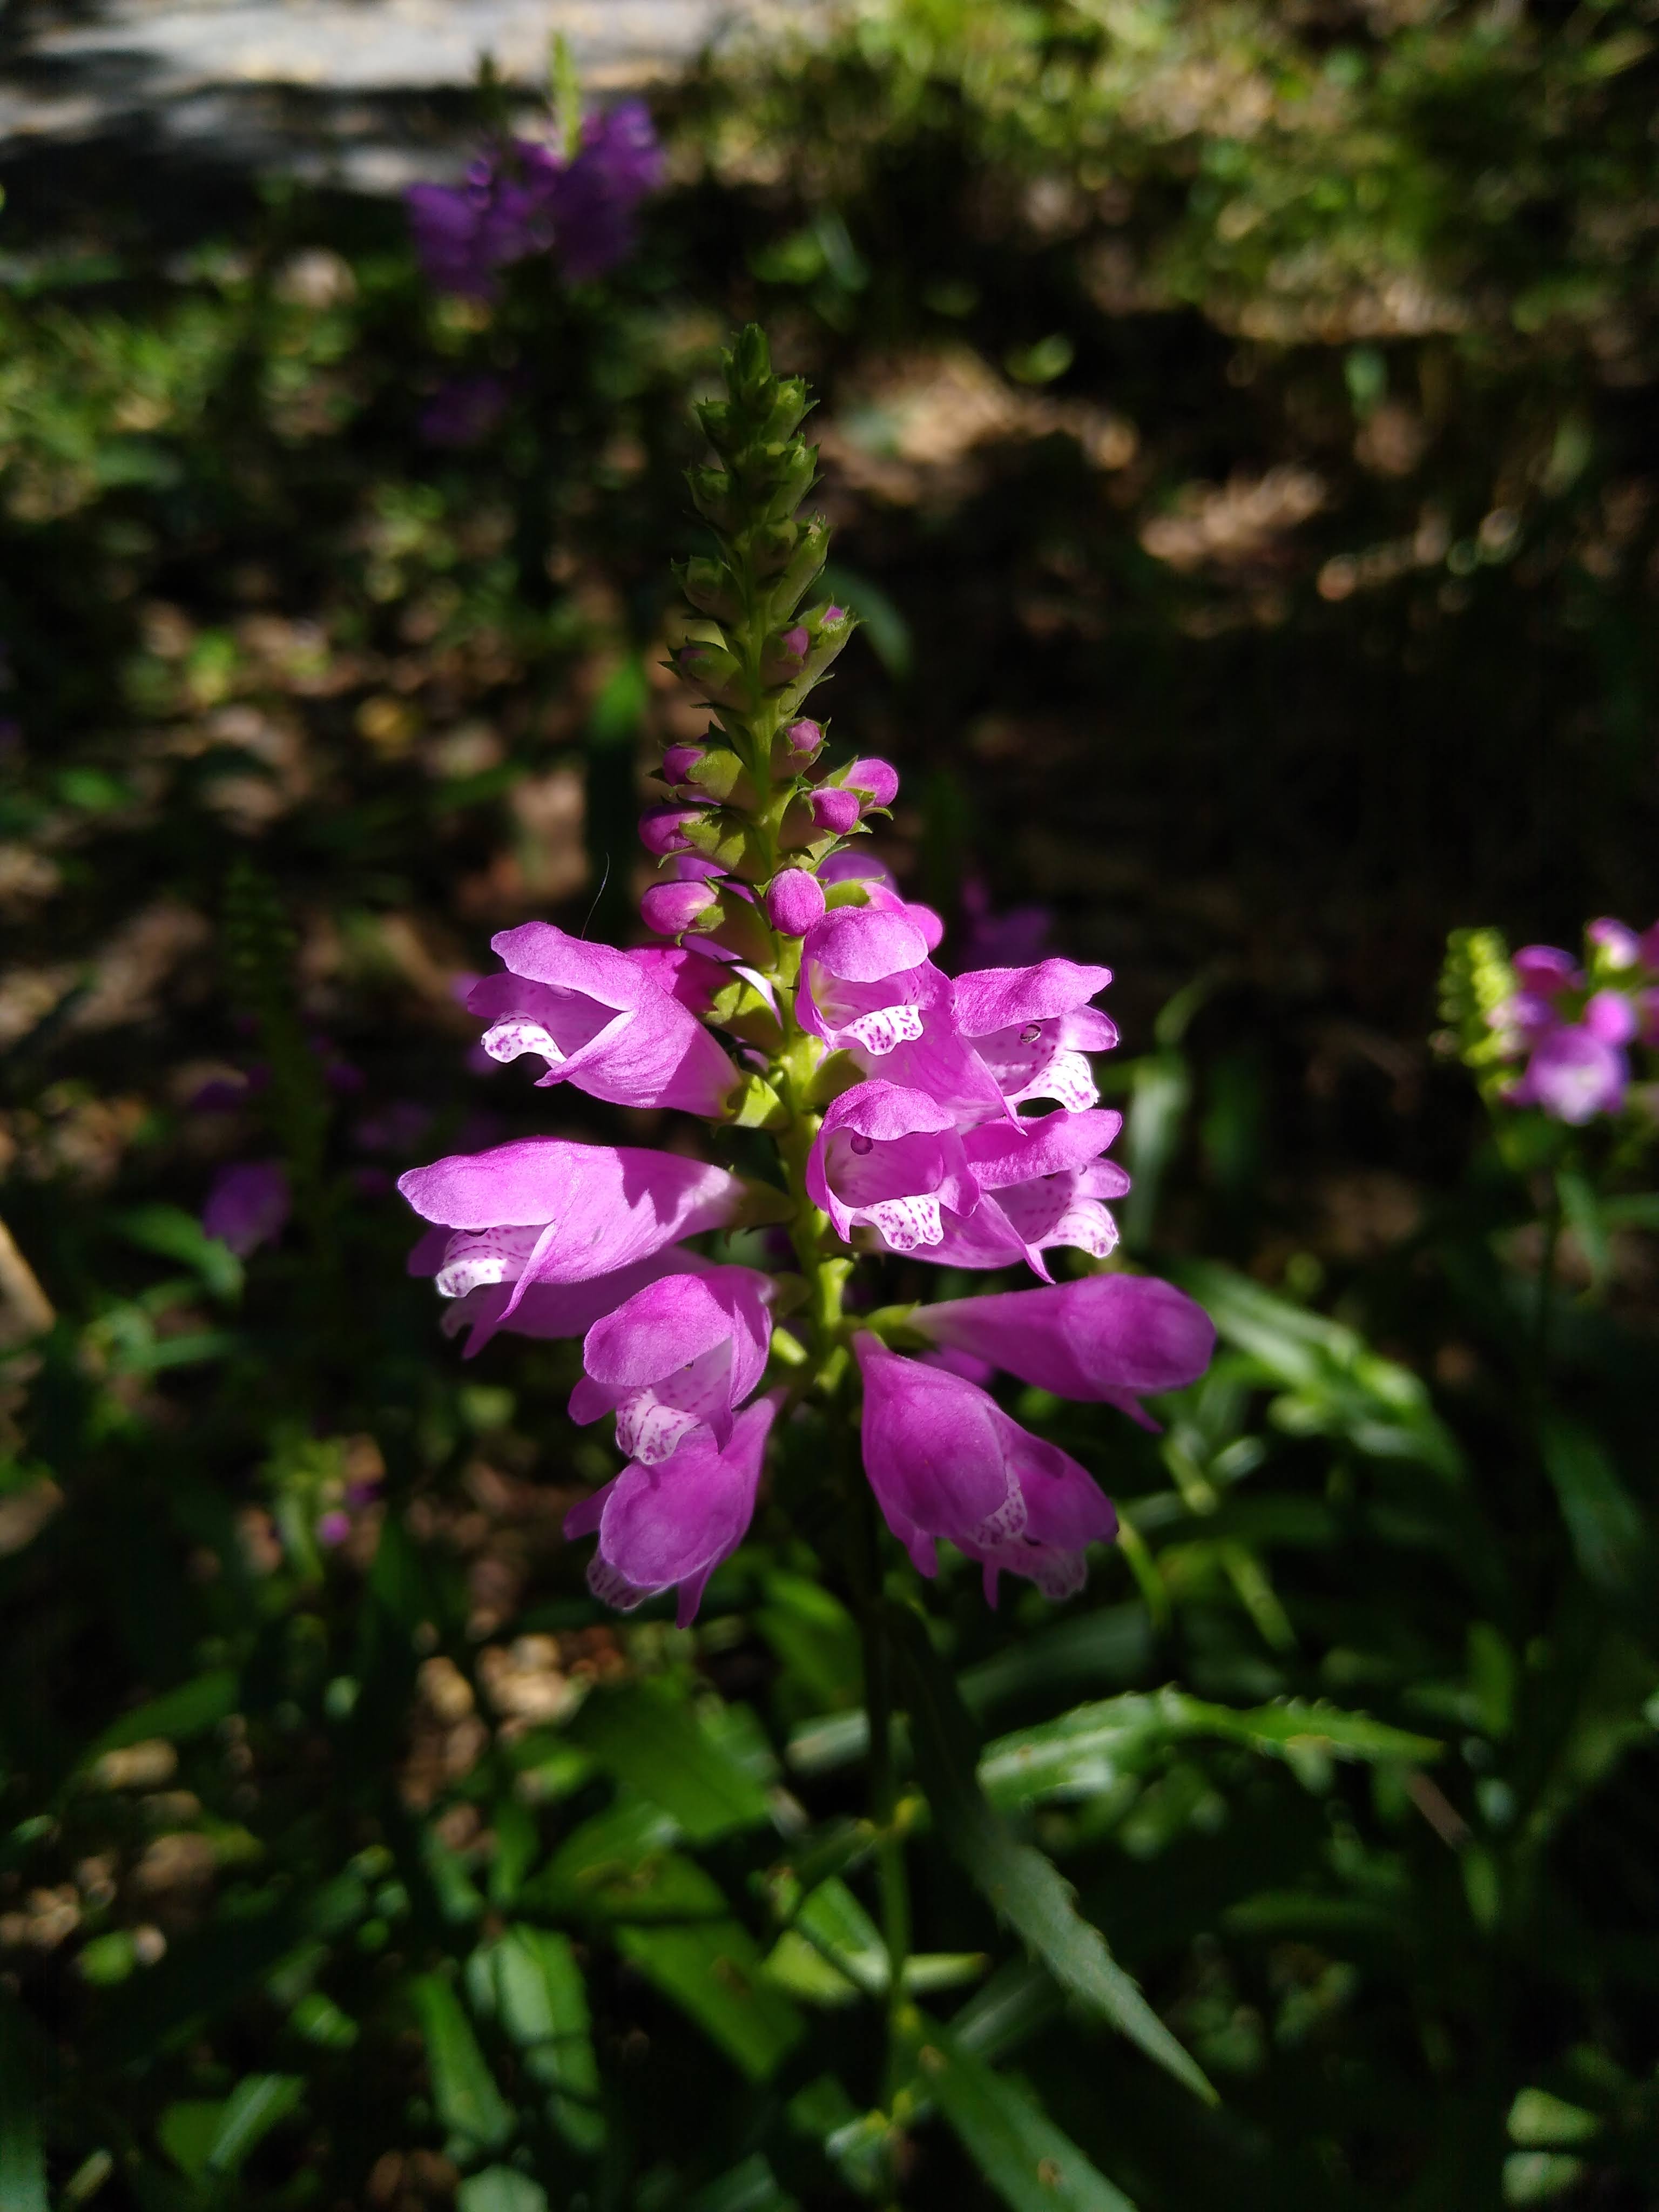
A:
x,y
676,1359
685,974
890,1158
795,900
548,1211
673,1523
600,1022
1031,1027
868,987
852,865
678,761
662,830
1610,1016
1107,1340
1574,1075
947,1462
553,1309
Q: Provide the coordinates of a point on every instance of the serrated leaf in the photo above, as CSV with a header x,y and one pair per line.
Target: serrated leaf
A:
x,y
463,2092
1090,1749
650,1739
1030,2163
1023,1887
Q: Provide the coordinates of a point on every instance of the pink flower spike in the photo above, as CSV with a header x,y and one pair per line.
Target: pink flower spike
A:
x,y
947,1462
669,909
889,1159
675,1522
599,1021
795,900
1107,1340
834,809
875,780
662,828
676,1359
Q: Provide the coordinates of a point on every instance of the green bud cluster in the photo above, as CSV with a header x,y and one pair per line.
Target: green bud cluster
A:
x,y
754,651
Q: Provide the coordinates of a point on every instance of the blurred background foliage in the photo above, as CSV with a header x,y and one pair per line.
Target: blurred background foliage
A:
x,y
1239,424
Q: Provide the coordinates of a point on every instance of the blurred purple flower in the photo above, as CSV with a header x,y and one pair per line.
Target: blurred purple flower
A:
x,y
619,162
985,938
248,1204
463,409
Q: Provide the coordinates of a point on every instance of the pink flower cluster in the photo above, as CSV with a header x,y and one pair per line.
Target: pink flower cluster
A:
x,y
522,199
925,1153
1574,1024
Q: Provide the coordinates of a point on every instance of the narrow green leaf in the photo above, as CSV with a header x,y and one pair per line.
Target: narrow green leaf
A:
x,y
499,2189
815,1638
651,1739
1089,1750
22,2153
536,1991
253,2107
750,2187
1023,1887
464,2091
1027,2159
176,1234
1603,1520
189,1711
187,2131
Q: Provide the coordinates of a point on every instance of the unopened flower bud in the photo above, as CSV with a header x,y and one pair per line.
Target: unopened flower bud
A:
x,y
678,761
834,808
784,655
1619,944
795,900
668,908
662,828
875,782
804,740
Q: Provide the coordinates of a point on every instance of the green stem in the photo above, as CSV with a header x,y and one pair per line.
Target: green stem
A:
x,y
1547,1280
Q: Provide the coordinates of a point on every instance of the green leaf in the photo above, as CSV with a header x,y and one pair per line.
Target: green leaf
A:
x,y
253,2107
1023,1887
530,1981
814,1637
22,2153
1091,1749
650,1739
1334,1384
714,1972
750,2187
1026,2159
463,2092
186,2132
1603,1520
176,1234
499,2189
189,1711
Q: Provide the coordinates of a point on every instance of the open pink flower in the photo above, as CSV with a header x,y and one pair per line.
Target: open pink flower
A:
x,y
675,1360
600,1022
1031,1027
672,1523
548,1309
544,1210
1109,1340
1042,1183
946,1462
868,987
890,1158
